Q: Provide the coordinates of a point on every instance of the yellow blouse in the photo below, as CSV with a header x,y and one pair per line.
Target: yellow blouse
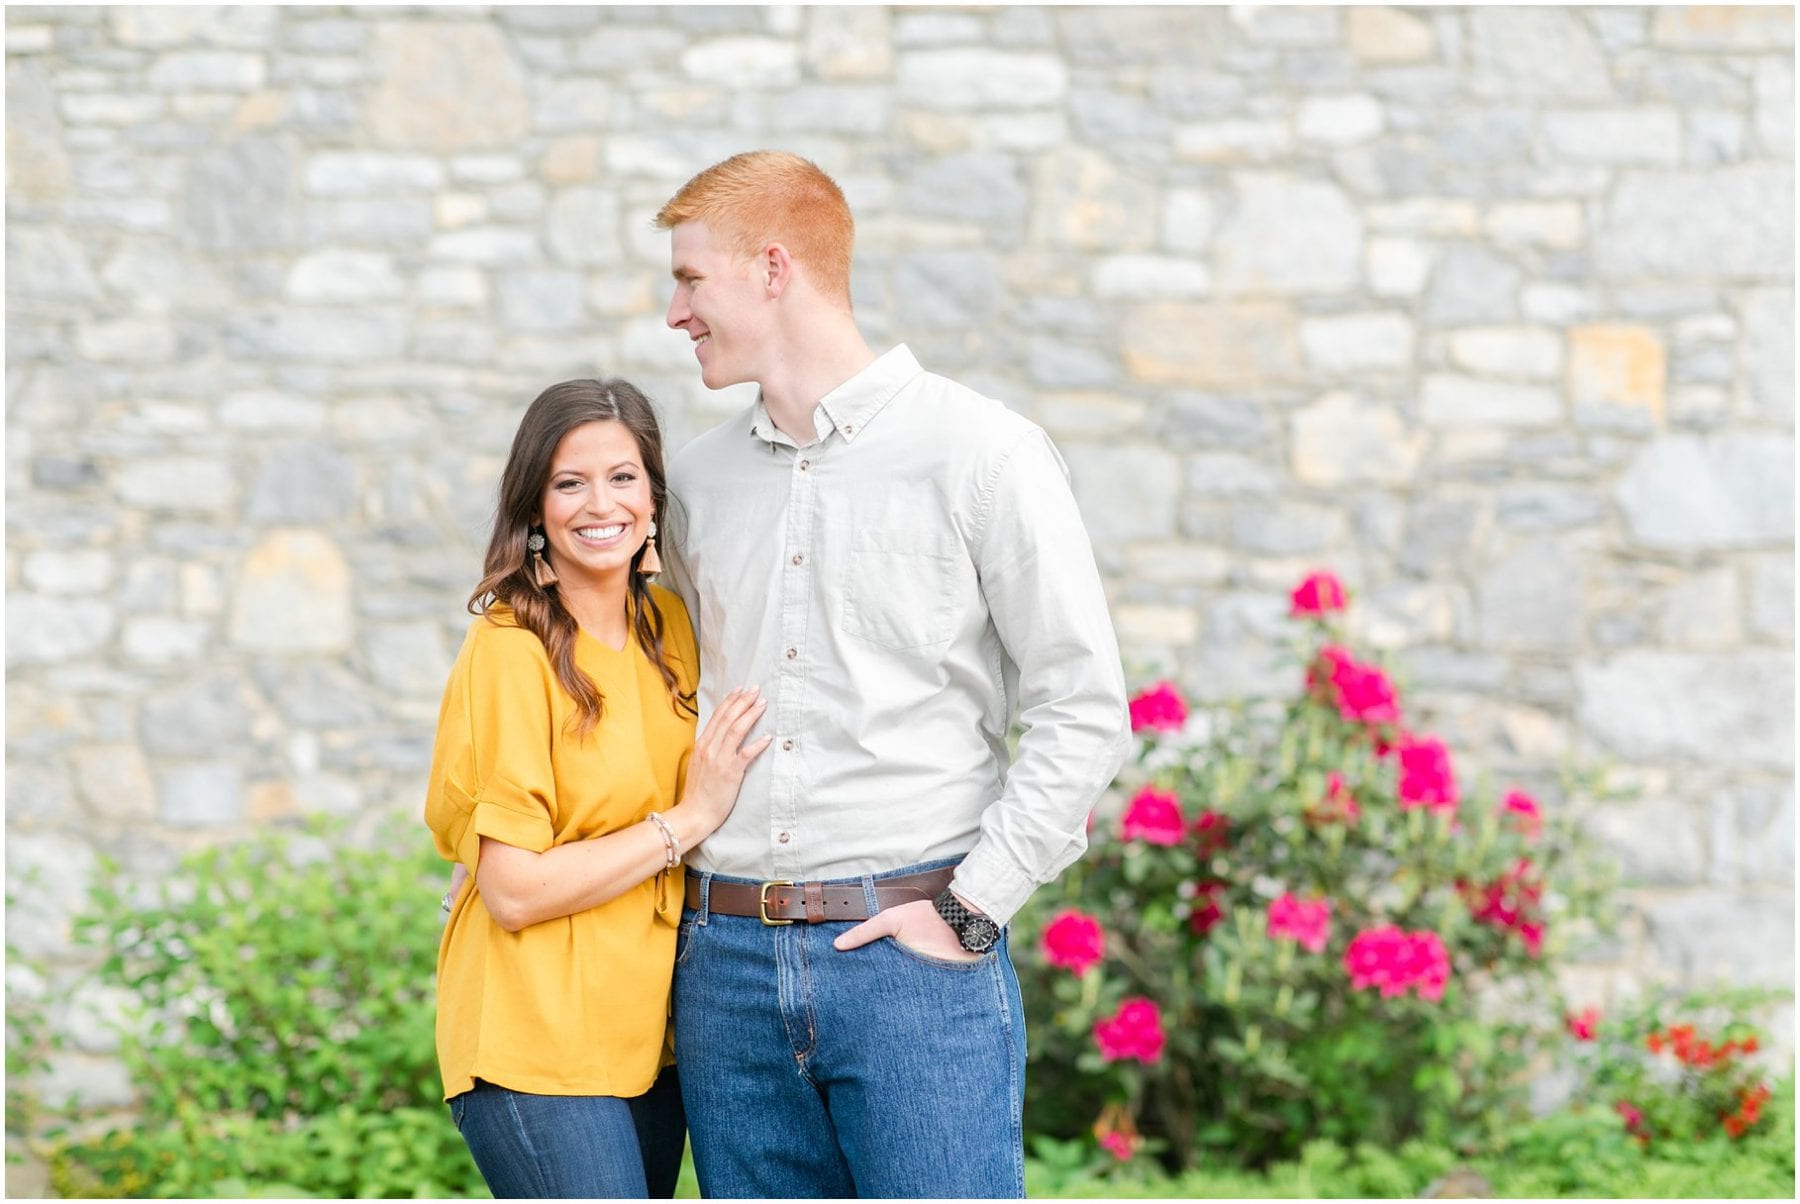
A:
x,y
577,1005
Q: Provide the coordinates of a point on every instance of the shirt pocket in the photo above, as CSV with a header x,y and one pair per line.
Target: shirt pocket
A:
x,y
901,588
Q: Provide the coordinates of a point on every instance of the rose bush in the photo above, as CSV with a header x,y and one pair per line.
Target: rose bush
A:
x,y
1295,923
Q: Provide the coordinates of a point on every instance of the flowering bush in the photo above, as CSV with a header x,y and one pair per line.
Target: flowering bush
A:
x,y
1676,1070
1299,924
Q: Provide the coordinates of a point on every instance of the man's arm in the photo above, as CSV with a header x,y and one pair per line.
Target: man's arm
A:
x,y
1044,592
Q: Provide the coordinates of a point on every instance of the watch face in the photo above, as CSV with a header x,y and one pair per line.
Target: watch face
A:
x,y
979,934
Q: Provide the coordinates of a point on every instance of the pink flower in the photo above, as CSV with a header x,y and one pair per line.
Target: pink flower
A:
x,y
1514,901
1133,1032
1154,816
1159,708
1318,595
1309,923
1395,961
1074,941
1634,1119
1120,1145
1207,913
1583,1024
1362,693
1426,779
1525,813
1213,833
1337,807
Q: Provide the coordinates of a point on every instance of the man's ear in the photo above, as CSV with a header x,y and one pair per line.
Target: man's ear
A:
x,y
777,269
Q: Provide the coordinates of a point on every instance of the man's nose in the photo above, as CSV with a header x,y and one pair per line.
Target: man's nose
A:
x,y
678,311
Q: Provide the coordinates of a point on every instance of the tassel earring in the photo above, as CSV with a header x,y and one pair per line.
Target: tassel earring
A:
x,y
651,564
541,572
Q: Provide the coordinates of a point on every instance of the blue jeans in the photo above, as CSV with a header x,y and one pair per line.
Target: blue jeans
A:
x,y
877,1072
574,1146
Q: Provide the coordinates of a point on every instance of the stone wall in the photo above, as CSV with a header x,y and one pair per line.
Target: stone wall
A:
x,y
1491,310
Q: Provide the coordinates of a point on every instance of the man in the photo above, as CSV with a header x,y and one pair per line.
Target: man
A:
x,y
898,563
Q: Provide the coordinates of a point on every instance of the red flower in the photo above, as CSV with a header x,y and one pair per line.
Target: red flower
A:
x,y
1426,778
1207,914
1317,596
1213,831
1583,1024
1362,693
1159,708
1524,812
1337,807
1514,901
1395,961
1154,816
1634,1119
1116,1133
1309,923
1074,941
1133,1032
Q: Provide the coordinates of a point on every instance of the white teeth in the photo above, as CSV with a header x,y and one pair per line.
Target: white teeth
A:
x,y
601,533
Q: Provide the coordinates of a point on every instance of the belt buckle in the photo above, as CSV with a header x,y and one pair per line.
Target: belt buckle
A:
x,y
762,902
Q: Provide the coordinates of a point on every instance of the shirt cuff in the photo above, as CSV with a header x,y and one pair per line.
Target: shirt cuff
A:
x,y
500,822
992,885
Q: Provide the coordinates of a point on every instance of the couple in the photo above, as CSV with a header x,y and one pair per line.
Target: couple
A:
x,y
803,906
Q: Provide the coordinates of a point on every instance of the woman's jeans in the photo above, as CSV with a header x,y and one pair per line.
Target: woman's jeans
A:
x,y
874,1072
574,1146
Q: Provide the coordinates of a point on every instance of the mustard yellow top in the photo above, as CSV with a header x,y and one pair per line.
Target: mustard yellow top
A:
x,y
577,1005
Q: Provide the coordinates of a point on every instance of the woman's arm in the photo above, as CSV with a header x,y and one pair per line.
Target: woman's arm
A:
x,y
521,888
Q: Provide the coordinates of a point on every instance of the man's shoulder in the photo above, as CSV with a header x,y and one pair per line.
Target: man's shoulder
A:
x,y
982,422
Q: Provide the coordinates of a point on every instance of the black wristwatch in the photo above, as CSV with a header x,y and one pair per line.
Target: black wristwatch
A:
x,y
977,933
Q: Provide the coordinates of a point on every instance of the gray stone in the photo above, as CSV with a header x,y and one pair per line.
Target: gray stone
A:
x,y
208,71
743,62
347,336
1357,342
180,483
48,630
1775,107
381,223
1436,668
1767,354
1227,474
1199,421
47,265
1469,401
1691,492
65,473
834,109
408,658
1065,365
95,1016
114,782
1724,936
1646,136
1702,611
582,226
158,27
1723,28
76,1080
341,275
1443,532
1135,277
1752,834
34,791
47,877
371,174
1542,506
240,197
445,86
1285,234
1187,36
1715,707
68,570
1726,222
974,78
541,300
1340,440
971,187
1513,59
494,246
206,795
944,290
302,481
127,340
1084,200
1657,841
1471,285
1532,598
573,104
206,715
1125,493
313,693
1772,597
1287,528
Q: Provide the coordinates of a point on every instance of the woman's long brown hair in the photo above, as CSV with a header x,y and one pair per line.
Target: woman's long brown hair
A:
x,y
506,578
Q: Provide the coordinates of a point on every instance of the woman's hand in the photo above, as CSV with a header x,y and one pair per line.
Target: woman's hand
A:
x,y
716,769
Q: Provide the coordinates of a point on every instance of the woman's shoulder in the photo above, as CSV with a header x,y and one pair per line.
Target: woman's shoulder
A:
x,y
497,638
668,602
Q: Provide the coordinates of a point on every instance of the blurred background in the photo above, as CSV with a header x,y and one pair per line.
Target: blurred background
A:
x,y
1489,311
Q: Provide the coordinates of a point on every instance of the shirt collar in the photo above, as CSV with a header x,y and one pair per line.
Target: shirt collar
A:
x,y
853,405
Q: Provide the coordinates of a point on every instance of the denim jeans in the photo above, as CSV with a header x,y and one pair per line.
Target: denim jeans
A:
x,y
573,1146
875,1072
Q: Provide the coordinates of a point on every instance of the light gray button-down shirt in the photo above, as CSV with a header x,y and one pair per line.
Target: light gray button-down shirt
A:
x,y
900,587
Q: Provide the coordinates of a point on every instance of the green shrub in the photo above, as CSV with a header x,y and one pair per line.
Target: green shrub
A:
x,y
283,1034
1301,927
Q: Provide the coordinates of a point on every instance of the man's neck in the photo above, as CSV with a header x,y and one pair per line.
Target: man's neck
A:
x,y
811,368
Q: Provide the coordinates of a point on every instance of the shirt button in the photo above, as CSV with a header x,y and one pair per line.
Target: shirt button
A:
x,y
792,653
783,838
787,746
849,428
805,465
799,558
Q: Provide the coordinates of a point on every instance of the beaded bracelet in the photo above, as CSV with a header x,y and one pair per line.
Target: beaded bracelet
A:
x,y
672,845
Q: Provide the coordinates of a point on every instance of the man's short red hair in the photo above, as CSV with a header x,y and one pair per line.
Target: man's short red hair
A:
x,y
759,197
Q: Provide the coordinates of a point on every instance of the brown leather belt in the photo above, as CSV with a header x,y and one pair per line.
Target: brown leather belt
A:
x,y
788,902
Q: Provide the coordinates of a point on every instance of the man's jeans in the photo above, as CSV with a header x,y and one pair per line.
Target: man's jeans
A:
x,y
573,1146
877,1072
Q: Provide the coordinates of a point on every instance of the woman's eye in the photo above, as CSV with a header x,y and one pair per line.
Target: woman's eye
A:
x,y
624,478
565,486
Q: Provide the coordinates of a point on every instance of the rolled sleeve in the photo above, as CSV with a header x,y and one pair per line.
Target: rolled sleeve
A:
x,y
1049,607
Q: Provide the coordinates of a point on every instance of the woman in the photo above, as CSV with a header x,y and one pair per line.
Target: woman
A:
x,y
567,778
